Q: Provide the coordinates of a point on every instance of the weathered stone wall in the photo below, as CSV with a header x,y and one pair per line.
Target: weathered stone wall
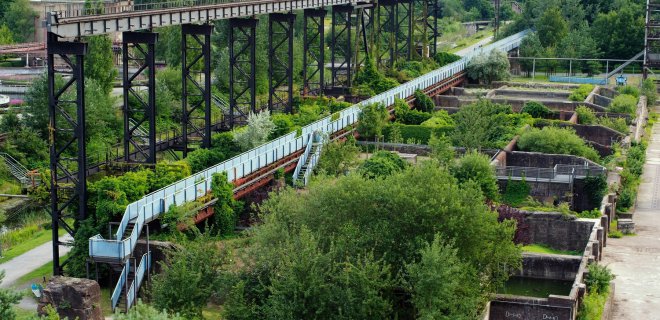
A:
x,y
524,94
158,252
602,100
73,298
516,103
546,266
559,231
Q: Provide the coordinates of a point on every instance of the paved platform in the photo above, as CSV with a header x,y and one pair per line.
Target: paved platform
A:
x,y
635,260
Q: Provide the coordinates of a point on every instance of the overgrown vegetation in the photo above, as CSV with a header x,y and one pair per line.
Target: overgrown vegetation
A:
x,y
581,93
623,103
631,176
488,68
598,285
556,141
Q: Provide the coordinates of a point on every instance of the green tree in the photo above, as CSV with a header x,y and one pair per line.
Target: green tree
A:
x,y
382,164
585,115
8,298
536,109
186,282
99,64
372,120
23,20
6,37
441,149
423,102
476,167
481,125
338,157
347,245
444,286
551,27
531,47
144,311
619,34
201,159
488,68
257,131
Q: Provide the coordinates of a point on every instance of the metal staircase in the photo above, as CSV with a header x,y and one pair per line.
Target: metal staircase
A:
x,y
119,249
16,169
625,64
308,160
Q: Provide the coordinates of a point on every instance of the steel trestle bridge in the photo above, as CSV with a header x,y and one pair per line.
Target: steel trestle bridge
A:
x,y
358,28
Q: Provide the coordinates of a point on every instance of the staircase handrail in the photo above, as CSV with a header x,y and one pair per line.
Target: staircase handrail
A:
x,y
315,158
116,293
303,158
142,268
152,205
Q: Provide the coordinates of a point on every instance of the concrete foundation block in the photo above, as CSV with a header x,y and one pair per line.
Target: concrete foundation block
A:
x,y
627,226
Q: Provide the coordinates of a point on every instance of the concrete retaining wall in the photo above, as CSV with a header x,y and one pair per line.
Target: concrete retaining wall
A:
x,y
550,266
558,231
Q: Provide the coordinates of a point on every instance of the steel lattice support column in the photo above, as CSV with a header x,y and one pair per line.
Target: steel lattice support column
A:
x,y
280,61
497,5
314,52
433,12
386,33
652,37
196,71
242,69
365,35
68,163
138,51
404,28
340,47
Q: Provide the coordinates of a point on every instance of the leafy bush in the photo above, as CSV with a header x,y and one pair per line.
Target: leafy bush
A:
x,y
381,164
585,115
423,102
536,109
283,125
257,131
338,157
445,58
373,81
616,234
441,149
590,214
598,279
414,117
627,198
629,90
617,124
650,90
623,103
581,93
516,192
439,119
201,159
417,134
556,141
474,166
488,68
592,306
372,121
485,124
8,298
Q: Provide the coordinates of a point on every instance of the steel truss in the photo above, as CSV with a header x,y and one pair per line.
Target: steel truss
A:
x,y
386,33
340,46
67,130
280,61
314,52
365,35
652,38
242,69
139,114
404,28
425,28
196,68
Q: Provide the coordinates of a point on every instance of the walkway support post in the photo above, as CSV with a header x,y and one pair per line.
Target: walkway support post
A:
x,y
314,52
365,33
405,13
67,132
139,111
280,61
196,80
340,47
242,69
433,13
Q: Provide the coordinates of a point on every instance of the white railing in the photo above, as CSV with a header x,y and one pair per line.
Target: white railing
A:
x,y
116,294
152,205
312,164
303,158
141,271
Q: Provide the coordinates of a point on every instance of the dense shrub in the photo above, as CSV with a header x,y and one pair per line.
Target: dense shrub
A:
x,y
382,164
595,188
488,68
618,124
414,117
371,80
581,93
522,235
629,90
224,208
417,134
423,102
485,124
623,103
439,119
536,109
598,279
372,121
338,157
445,58
476,167
556,141
201,159
585,115
650,90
